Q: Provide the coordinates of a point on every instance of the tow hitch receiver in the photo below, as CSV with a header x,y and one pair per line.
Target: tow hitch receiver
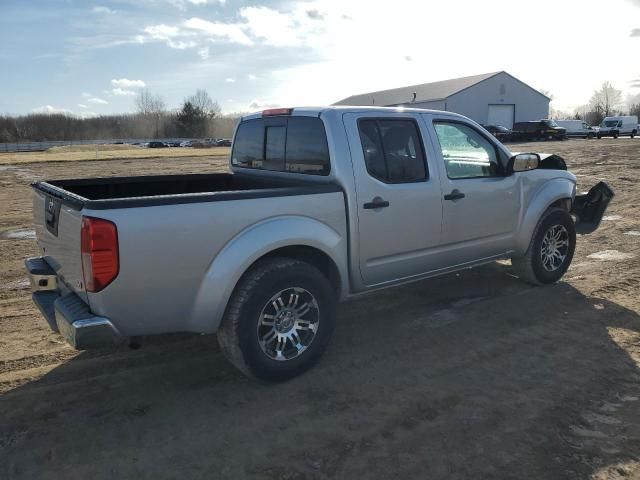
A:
x,y
588,209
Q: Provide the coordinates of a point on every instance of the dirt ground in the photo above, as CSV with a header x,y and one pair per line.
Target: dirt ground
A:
x,y
471,375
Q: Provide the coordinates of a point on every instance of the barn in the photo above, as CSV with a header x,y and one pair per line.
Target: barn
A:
x,y
496,98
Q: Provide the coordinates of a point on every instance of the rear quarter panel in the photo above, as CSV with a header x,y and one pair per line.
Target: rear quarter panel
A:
x,y
180,263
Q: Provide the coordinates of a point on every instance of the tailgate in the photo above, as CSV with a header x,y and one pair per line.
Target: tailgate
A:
x,y
57,229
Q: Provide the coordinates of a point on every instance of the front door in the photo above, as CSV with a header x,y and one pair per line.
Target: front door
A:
x,y
481,206
398,194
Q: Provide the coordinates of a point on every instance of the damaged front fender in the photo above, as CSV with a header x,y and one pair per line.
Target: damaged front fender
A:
x,y
588,209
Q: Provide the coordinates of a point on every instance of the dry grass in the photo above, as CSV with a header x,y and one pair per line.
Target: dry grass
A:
x,y
91,148
107,152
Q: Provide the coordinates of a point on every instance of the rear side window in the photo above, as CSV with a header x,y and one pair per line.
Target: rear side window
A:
x,y
393,150
284,144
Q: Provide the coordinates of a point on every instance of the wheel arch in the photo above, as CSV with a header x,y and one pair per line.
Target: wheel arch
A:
x,y
558,193
297,237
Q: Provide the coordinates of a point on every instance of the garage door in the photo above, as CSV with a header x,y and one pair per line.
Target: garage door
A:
x,y
501,115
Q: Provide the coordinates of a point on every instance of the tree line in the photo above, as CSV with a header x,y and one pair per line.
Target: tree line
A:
x,y
198,117
607,101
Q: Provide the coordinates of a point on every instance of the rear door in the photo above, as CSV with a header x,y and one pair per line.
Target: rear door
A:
x,y
481,206
398,195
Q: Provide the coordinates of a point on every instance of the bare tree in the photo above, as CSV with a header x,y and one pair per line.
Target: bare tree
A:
x,y
149,104
606,100
205,103
152,107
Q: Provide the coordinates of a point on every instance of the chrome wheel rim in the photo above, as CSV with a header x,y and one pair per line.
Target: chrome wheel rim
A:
x,y
555,247
288,324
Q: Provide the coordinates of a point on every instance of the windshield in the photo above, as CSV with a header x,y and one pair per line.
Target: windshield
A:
x,y
611,123
551,123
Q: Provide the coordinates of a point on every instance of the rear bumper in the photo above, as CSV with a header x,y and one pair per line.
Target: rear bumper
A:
x,y
68,314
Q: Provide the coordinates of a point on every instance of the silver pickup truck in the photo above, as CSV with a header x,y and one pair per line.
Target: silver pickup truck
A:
x,y
321,204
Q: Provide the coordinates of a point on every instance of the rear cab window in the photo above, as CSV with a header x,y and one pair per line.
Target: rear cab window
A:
x,y
393,150
293,144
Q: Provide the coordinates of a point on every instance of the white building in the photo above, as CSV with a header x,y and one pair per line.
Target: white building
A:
x,y
490,99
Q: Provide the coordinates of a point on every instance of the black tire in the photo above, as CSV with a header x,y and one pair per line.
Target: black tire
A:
x,y
530,267
238,334
633,134
599,137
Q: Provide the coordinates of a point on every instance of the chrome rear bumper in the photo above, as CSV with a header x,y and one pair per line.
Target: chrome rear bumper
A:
x,y
69,314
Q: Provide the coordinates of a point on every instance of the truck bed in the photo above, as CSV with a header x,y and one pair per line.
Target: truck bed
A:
x,y
124,192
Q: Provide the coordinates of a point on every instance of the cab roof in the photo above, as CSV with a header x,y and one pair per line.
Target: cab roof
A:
x,y
318,111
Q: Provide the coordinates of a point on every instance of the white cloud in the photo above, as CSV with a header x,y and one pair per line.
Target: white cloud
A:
x,y
204,53
82,105
276,28
49,109
184,4
167,34
230,80
126,83
119,92
86,94
261,105
251,76
102,10
161,31
87,114
230,31
97,100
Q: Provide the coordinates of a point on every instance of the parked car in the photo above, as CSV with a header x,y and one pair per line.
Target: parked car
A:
x,y
577,128
173,143
187,143
156,144
538,130
321,204
619,126
223,142
500,132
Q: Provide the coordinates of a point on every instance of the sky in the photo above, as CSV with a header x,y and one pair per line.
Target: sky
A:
x,y
91,58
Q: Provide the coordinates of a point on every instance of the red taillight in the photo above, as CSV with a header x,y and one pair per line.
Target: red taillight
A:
x,y
276,111
99,248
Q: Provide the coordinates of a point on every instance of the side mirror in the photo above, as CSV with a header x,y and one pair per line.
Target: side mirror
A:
x,y
523,162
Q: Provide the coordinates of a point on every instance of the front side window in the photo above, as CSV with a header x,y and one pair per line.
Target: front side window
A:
x,y
466,153
393,150
283,144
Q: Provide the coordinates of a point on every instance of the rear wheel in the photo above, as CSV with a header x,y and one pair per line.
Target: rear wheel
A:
x,y
551,249
633,134
279,320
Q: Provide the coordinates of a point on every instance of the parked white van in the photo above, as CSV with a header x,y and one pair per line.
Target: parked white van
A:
x,y
619,126
577,128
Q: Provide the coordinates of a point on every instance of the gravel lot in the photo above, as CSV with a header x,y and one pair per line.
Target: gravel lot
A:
x,y
471,375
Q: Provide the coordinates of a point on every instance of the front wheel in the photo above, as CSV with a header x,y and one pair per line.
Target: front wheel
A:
x,y
550,251
279,320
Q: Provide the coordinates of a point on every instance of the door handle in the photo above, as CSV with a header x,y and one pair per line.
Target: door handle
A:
x,y
454,195
376,203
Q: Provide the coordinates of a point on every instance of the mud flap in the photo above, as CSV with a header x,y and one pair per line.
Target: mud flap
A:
x,y
589,208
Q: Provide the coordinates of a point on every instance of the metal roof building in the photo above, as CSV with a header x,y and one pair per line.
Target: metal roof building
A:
x,y
490,99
